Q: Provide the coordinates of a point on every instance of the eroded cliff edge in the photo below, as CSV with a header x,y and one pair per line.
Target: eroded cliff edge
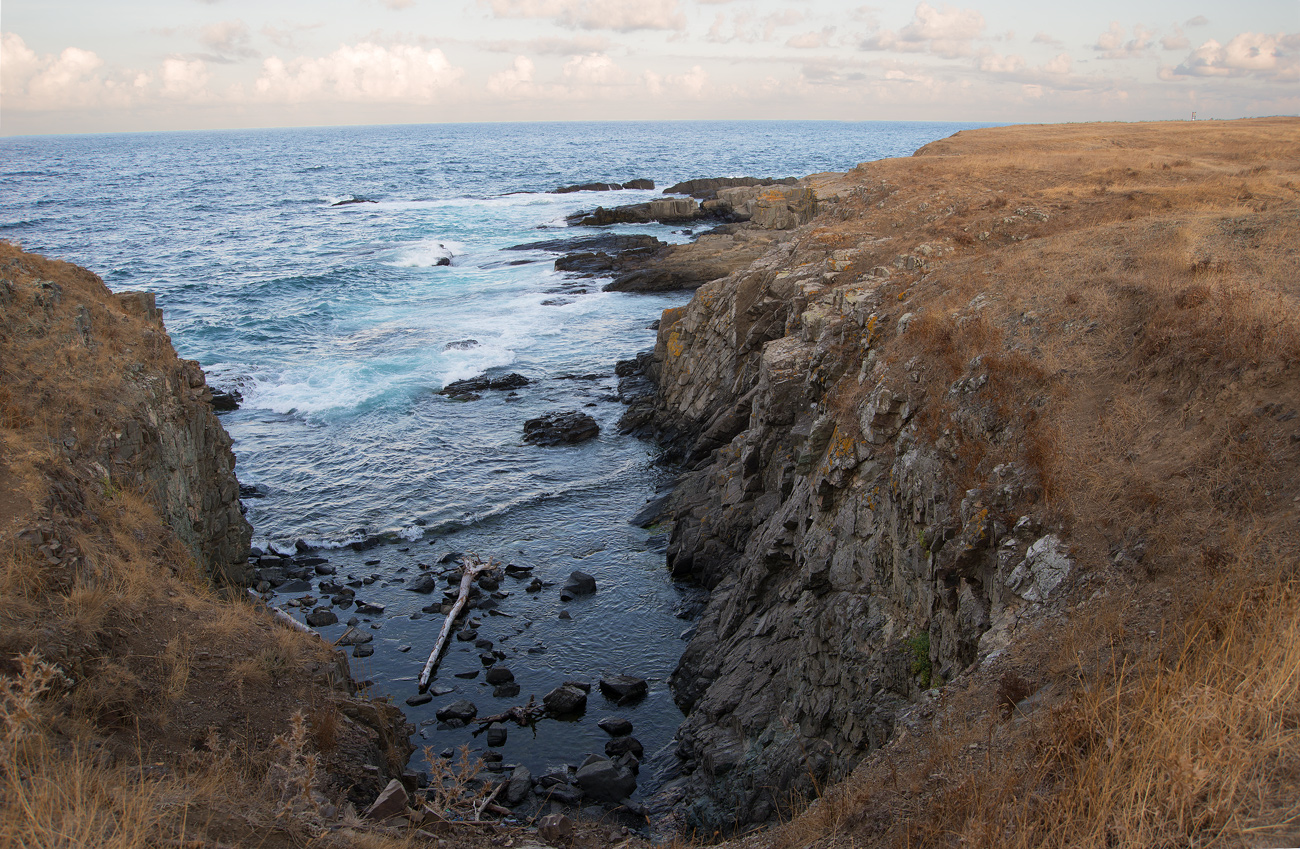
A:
x,y
941,419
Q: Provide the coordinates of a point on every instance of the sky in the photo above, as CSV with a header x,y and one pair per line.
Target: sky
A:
x,y
84,66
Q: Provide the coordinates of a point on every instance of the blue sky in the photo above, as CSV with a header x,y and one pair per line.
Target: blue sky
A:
x,y
94,66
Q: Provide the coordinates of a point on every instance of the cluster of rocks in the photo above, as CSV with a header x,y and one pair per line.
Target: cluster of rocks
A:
x,y
467,390
568,427
768,203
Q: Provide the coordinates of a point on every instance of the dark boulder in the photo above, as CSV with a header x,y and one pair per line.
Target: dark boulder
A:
x,y
224,402
615,726
564,428
606,781
566,700
588,187
462,709
321,618
641,184
620,746
623,689
707,188
481,383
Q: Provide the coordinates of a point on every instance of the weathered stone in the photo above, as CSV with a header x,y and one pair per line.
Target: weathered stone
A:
x,y
1046,564
615,726
555,828
606,781
462,709
565,428
499,675
580,583
321,618
620,746
390,802
565,700
496,734
519,786
624,689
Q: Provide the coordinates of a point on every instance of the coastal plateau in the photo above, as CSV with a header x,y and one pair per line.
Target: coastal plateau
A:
x,y
988,466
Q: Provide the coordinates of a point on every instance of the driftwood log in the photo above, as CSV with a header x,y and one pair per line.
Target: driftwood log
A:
x,y
473,567
281,617
521,715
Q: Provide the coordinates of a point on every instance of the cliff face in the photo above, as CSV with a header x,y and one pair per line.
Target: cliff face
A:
x,y
896,425
136,416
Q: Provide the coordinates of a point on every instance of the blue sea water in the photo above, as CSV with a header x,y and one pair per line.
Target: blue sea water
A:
x,y
338,326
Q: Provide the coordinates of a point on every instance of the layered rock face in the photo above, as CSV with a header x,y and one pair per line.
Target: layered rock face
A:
x,y
144,419
849,574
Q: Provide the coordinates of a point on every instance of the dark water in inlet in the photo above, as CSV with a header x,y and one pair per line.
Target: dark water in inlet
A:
x,y
338,326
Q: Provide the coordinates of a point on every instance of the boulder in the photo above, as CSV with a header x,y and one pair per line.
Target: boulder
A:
x,y
621,746
606,781
423,584
588,187
499,675
565,700
462,709
321,618
623,689
642,184
564,428
420,699
496,734
483,382
224,402
615,726
519,786
580,583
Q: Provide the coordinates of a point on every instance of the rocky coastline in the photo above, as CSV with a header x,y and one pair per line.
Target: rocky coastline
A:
x,y
895,450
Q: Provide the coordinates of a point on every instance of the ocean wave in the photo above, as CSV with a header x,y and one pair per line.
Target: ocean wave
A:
x,y
426,253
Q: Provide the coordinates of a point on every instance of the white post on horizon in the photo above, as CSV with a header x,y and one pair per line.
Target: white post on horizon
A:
x,y
1193,116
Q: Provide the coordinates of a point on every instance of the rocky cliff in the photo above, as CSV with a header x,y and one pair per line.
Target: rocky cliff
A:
x,y
891,424
139,418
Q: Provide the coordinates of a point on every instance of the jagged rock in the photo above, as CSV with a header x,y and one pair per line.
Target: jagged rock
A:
x,y
624,745
423,584
496,734
391,802
1046,564
483,383
353,637
624,689
587,187
224,402
564,428
707,187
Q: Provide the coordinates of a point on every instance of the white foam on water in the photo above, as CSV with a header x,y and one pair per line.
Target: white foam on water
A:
x,y
425,253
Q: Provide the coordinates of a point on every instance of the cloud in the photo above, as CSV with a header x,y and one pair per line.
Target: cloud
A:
x,y
616,15
68,80
1198,21
515,81
1111,44
228,38
1177,41
690,85
575,46
593,69
185,79
1044,38
750,28
362,73
286,36
946,32
1270,57
810,40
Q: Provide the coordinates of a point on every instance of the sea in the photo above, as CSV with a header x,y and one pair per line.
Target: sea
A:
x,y
338,323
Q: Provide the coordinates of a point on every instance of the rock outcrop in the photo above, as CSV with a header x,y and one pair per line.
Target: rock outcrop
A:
x,y
143,419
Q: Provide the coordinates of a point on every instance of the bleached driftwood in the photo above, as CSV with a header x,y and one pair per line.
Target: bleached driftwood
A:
x,y
473,567
281,617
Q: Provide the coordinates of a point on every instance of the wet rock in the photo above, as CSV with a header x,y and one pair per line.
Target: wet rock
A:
x,y
419,699
624,689
466,634
362,651
473,673
615,726
366,608
496,734
321,618
505,691
462,709
566,700
621,746
353,637
483,382
423,584
568,427
604,780
535,586
580,583
294,586
224,402
499,675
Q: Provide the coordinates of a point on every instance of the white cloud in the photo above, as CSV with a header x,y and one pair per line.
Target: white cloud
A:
x,y
593,69
575,46
1272,57
1111,44
228,38
992,63
364,73
810,40
1198,21
515,81
69,80
1177,41
1062,64
616,15
1044,38
690,85
946,32
185,79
